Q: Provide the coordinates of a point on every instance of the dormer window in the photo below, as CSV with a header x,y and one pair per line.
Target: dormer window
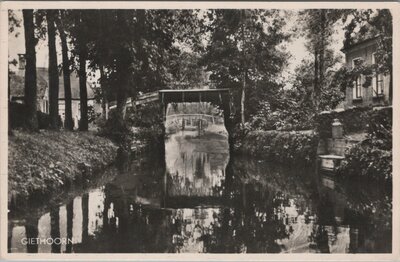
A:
x,y
357,62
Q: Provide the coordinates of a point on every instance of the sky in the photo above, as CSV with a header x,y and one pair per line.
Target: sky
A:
x,y
16,45
296,47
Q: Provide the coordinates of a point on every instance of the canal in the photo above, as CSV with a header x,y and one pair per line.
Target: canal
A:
x,y
198,198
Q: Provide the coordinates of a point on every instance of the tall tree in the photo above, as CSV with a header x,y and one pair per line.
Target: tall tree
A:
x,y
30,70
243,52
134,53
318,28
53,70
81,42
60,22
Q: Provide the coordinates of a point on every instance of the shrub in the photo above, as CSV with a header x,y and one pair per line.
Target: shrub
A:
x,y
148,122
380,127
115,129
17,113
281,146
92,115
367,160
287,118
144,124
373,157
43,120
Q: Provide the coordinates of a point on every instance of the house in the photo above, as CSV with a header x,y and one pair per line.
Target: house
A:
x,y
367,90
17,84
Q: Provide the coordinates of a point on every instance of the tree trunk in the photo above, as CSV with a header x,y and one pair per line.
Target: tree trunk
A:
x,y
321,80
391,84
101,36
53,71
30,71
316,82
68,124
243,99
104,101
123,62
83,123
121,108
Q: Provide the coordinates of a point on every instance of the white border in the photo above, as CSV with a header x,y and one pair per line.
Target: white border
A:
x,y
395,8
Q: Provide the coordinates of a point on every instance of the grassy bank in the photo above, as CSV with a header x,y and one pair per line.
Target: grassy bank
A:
x,y
41,163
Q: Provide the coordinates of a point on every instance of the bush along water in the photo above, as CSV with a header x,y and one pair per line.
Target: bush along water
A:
x,y
141,127
372,158
288,147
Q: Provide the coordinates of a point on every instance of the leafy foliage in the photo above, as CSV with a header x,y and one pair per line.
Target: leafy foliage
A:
x,y
318,28
373,157
283,147
243,53
148,123
368,23
13,22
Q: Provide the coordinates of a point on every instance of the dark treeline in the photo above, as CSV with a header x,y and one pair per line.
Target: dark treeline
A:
x,y
134,51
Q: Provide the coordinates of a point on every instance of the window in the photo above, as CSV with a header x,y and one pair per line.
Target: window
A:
x,y
377,81
357,61
357,88
357,83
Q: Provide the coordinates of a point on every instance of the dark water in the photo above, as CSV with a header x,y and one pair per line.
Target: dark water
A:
x,y
201,199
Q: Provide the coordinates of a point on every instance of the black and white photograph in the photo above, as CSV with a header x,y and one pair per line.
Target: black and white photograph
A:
x,y
256,130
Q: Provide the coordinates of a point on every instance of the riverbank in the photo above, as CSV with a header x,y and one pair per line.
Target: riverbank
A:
x,y
47,161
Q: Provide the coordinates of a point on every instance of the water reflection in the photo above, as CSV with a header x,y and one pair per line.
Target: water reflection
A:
x,y
203,200
196,165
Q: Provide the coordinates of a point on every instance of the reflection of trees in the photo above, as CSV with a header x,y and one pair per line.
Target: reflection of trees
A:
x,y
130,228
370,214
196,174
55,229
32,232
363,206
256,219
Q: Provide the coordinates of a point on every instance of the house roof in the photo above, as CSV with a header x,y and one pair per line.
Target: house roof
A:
x,y
361,42
75,94
17,84
366,35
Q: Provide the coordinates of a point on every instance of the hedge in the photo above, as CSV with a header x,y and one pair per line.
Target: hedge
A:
x,y
353,120
17,113
289,147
